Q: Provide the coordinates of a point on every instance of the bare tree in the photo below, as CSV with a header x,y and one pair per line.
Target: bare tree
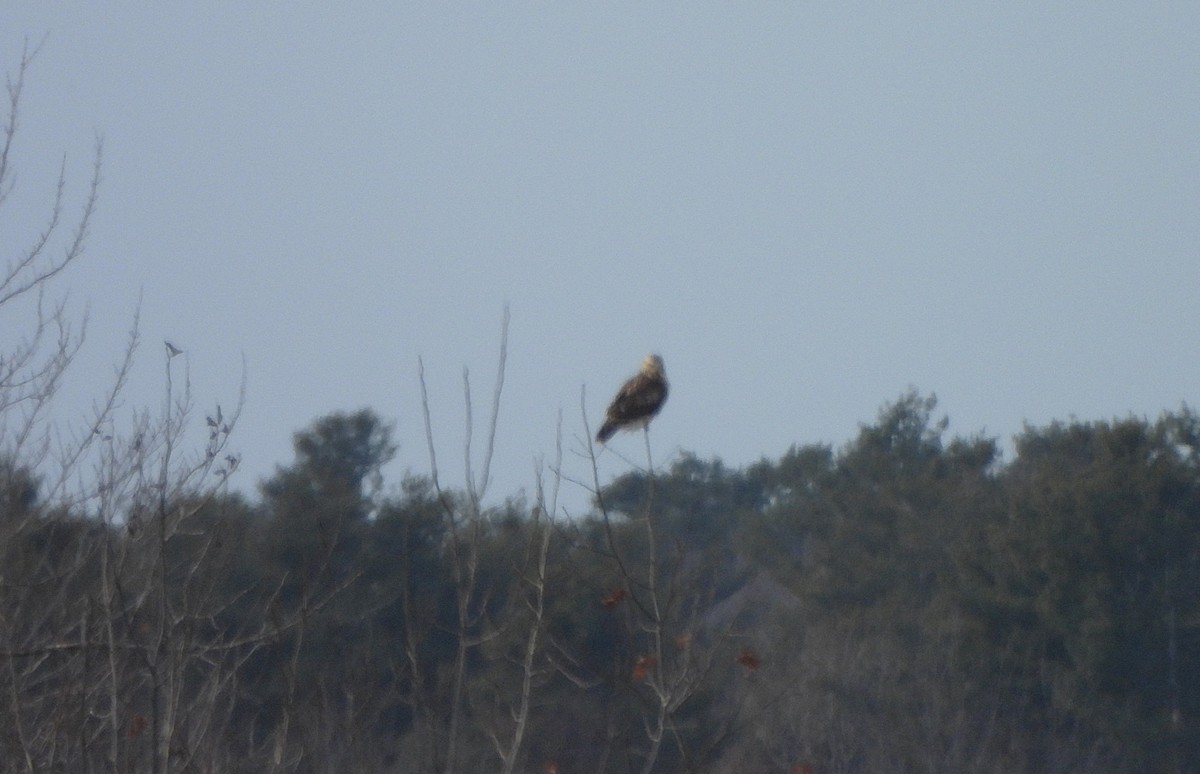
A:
x,y
113,648
508,723
465,523
44,340
664,603
42,617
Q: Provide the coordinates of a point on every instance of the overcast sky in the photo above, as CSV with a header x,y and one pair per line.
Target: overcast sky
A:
x,y
805,208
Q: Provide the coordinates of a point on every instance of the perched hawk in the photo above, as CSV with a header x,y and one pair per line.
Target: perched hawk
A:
x,y
638,400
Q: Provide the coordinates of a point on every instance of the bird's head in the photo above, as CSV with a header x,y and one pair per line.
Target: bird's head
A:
x,y
652,364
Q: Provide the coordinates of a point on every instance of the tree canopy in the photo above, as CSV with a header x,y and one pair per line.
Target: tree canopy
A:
x,y
910,601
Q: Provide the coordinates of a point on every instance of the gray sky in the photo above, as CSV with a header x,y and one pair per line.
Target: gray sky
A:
x,y
805,208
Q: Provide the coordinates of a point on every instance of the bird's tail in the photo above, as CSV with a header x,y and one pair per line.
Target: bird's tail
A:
x,y
606,431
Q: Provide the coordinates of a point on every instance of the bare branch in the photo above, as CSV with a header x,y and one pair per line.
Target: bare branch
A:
x,y
490,447
433,467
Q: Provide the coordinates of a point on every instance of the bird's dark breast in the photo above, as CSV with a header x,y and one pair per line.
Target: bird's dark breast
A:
x,y
642,402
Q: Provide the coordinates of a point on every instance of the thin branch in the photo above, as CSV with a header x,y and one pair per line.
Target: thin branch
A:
x,y
433,466
15,283
500,370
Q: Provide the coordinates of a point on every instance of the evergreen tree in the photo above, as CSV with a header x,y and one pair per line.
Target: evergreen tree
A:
x,y
1092,586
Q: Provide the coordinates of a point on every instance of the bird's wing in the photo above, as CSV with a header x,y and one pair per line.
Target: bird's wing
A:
x,y
638,398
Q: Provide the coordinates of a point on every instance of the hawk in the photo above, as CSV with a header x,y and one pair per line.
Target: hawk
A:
x,y
638,400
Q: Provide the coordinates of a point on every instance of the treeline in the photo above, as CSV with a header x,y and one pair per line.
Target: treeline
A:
x,y
909,602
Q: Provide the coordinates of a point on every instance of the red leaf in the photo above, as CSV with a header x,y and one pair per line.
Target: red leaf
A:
x,y
137,724
642,667
748,658
615,598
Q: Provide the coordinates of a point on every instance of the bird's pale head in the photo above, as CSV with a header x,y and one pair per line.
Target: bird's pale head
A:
x,y
652,364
